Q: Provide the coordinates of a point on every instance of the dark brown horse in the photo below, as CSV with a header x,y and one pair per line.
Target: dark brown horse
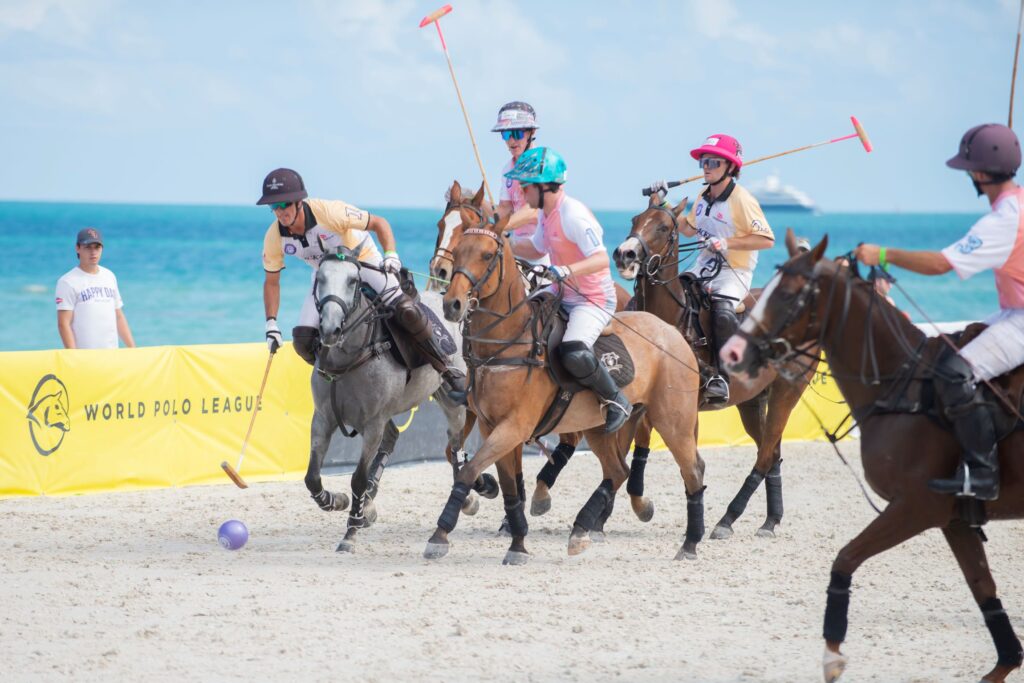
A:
x,y
883,365
511,390
650,255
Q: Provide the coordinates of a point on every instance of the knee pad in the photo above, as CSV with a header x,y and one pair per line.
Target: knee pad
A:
x,y
306,342
954,381
577,358
409,316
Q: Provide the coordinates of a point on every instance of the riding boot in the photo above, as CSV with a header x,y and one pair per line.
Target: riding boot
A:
x,y
409,316
582,364
306,342
724,324
974,427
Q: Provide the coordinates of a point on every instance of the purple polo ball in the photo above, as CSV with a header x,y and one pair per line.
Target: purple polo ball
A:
x,y
232,534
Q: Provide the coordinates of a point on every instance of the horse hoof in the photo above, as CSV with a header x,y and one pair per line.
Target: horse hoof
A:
x,y
346,547
489,487
765,532
370,513
472,505
686,553
833,665
435,551
721,532
644,510
341,502
578,542
516,558
539,506
598,536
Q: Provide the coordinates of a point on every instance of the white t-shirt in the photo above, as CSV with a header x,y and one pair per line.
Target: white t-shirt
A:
x,y
94,300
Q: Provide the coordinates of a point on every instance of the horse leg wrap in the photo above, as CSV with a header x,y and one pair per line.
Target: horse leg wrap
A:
x,y
516,517
595,506
695,516
635,483
836,607
773,491
1007,645
450,515
325,499
605,515
559,459
355,514
739,503
380,461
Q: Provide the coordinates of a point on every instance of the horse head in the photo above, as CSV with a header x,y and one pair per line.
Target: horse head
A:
x,y
651,239
782,320
335,292
479,256
448,232
49,411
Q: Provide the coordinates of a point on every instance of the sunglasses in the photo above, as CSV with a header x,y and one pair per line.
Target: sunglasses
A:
x,y
278,206
507,135
711,164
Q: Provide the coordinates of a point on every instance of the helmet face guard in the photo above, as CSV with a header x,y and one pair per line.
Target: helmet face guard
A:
x,y
990,148
282,185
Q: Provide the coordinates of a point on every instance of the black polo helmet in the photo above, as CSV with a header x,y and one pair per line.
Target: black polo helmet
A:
x,y
991,148
282,185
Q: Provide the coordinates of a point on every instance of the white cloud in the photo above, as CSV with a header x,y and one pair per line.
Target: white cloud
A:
x,y
63,22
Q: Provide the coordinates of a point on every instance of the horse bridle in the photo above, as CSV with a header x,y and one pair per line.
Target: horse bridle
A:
x,y
497,262
351,323
651,262
443,252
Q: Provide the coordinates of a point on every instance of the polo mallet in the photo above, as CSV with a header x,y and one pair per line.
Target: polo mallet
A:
x,y
225,465
1016,53
858,133
435,18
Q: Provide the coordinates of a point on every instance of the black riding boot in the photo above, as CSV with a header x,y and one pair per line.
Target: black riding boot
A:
x,y
414,321
306,342
581,362
724,323
974,426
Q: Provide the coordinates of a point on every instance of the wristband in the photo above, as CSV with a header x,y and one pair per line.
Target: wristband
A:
x,y
271,317
881,259
390,252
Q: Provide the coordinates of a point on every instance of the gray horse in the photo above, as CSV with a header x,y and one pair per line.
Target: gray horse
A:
x,y
358,385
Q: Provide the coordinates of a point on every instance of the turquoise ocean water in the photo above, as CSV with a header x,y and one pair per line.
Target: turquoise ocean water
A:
x,y
193,274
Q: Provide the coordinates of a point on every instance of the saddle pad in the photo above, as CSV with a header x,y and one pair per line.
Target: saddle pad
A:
x,y
610,352
404,348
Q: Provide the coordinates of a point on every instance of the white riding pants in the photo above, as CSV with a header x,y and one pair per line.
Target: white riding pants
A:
x,y
1000,348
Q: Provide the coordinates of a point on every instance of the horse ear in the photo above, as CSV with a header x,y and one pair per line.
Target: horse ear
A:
x,y
680,208
478,198
791,242
499,225
455,193
819,250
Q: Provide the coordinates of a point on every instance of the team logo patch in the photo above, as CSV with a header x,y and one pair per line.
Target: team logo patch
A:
x,y
59,301
290,249
611,361
757,226
508,183
274,184
48,415
969,244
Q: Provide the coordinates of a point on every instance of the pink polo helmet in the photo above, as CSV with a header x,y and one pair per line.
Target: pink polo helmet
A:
x,y
723,146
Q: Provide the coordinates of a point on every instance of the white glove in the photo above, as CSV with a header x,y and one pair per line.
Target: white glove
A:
x,y
717,245
274,339
659,187
559,273
391,263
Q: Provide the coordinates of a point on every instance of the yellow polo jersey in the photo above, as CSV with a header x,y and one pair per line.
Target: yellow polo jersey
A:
x,y
734,214
333,222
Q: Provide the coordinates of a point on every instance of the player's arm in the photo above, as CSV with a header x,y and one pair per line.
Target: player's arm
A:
x,y
923,262
380,227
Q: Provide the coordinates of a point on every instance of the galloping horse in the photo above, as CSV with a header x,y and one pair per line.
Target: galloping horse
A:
x,y
510,391
650,255
357,382
884,372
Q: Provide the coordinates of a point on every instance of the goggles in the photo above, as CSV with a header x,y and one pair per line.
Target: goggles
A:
x,y
507,135
280,206
711,163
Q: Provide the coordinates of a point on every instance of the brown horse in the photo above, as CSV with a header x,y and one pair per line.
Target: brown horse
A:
x,y
883,365
511,391
650,254
442,265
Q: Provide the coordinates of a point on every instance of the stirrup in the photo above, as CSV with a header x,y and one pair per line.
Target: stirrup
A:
x,y
961,486
616,414
716,390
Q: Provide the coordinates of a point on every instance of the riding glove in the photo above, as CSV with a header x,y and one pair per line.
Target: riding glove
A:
x,y
274,339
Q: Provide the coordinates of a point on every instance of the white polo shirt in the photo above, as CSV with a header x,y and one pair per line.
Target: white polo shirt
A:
x,y
94,301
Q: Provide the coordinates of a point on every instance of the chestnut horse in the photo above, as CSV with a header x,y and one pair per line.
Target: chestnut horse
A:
x,y
883,366
511,390
650,254
442,265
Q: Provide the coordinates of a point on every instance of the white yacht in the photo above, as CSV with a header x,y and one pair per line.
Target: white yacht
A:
x,y
772,194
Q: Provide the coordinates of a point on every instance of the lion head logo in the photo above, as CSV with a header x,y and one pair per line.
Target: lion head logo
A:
x,y
48,419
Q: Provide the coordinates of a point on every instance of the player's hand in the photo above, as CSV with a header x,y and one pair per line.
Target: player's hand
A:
x,y
274,339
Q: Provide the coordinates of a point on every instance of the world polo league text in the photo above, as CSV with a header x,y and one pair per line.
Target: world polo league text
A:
x,y
135,410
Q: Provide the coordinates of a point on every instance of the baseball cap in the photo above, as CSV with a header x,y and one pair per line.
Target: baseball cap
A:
x,y
90,236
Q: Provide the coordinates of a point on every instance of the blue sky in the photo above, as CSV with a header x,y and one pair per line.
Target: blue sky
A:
x,y
186,103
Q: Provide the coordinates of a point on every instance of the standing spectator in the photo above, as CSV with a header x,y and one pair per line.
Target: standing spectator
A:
x,y
89,314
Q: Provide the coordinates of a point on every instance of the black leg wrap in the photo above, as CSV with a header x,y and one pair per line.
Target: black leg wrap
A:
x,y
516,517
836,607
1007,645
559,459
605,515
635,483
695,516
380,461
521,488
450,515
591,512
325,499
739,503
773,491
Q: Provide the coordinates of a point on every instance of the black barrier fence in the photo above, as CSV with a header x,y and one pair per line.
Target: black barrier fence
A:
x,y
423,438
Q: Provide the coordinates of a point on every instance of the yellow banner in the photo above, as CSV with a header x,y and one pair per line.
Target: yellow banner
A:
x,y
101,420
